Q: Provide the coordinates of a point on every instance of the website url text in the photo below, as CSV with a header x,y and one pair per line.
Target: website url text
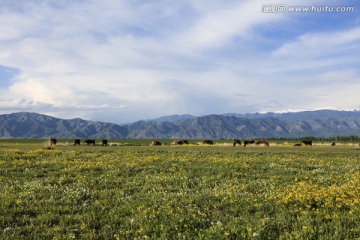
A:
x,y
282,8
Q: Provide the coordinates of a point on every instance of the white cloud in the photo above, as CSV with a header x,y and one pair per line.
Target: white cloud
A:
x,y
321,44
218,26
140,59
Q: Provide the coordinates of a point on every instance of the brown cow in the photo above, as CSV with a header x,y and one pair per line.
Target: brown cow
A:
x,y
248,142
177,142
297,145
155,143
262,142
333,144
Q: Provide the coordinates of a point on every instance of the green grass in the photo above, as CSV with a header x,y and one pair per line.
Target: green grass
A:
x,y
178,192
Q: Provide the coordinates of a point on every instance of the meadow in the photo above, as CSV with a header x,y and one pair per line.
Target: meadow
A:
x,y
134,191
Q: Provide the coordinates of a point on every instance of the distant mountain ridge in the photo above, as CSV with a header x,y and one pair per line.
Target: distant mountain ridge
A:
x,y
33,125
320,123
304,115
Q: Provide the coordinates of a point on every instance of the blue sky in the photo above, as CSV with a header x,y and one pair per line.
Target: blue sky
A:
x,y
122,61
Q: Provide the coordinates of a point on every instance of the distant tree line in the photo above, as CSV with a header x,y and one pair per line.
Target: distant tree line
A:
x,y
351,138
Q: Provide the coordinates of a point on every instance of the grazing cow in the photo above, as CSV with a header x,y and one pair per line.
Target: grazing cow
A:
x,y
297,145
262,142
208,142
53,141
248,142
333,144
155,143
104,142
77,142
307,143
90,141
236,141
177,142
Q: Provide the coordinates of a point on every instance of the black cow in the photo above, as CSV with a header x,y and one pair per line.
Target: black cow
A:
x,y
90,141
77,142
236,141
297,145
185,141
155,143
307,143
104,142
53,141
248,142
208,142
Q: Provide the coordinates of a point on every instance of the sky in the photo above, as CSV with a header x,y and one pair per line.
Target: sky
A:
x,y
125,60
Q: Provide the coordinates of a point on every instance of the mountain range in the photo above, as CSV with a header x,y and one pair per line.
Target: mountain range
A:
x,y
320,123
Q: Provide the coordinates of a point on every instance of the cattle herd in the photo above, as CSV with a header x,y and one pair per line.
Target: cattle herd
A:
x,y
104,142
235,143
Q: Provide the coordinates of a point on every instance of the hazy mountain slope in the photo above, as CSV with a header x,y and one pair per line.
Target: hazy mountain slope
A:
x,y
151,129
305,115
322,123
172,118
32,125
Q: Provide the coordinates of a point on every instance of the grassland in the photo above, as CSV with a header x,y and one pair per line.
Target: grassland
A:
x,y
133,191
